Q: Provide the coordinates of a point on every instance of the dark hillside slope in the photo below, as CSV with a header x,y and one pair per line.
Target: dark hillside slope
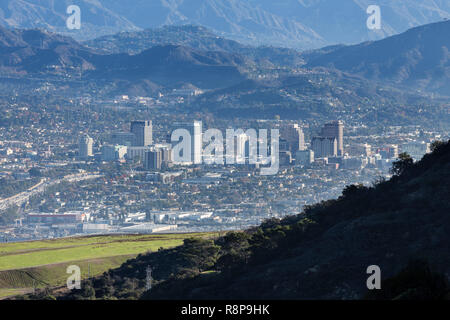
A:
x,y
169,64
321,254
324,253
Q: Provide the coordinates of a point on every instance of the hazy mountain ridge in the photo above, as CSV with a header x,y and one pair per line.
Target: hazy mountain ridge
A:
x,y
418,57
323,94
35,52
286,23
289,92
196,37
51,15
239,20
170,63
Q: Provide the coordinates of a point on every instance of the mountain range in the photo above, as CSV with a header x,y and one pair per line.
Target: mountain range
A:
x,y
31,51
170,64
369,77
196,37
34,53
418,58
301,24
51,15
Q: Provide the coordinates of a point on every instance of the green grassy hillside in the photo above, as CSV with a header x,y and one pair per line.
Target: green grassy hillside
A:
x,y
25,265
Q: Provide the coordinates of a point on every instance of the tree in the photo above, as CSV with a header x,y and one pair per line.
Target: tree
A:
x,y
35,172
417,281
199,253
353,189
9,215
43,294
402,164
435,145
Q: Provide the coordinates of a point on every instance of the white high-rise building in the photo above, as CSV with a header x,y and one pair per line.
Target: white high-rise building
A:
x,y
143,132
301,139
294,136
85,147
197,141
240,148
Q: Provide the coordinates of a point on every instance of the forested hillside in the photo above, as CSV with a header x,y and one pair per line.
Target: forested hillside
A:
x,y
401,225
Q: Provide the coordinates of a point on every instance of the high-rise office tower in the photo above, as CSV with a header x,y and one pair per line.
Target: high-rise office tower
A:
x,y
294,136
240,148
166,153
153,159
335,129
142,130
301,140
197,142
324,147
85,145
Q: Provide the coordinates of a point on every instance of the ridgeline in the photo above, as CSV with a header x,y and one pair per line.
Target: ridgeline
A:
x,y
401,225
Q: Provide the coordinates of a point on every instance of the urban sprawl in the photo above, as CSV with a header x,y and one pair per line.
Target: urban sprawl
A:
x,y
123,177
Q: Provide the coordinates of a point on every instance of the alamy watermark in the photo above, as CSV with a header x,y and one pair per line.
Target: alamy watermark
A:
x,y
74,280
374,281
74,20
237,147
374,20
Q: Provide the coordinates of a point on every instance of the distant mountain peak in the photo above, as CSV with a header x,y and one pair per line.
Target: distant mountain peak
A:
x,y
419,56
288,23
